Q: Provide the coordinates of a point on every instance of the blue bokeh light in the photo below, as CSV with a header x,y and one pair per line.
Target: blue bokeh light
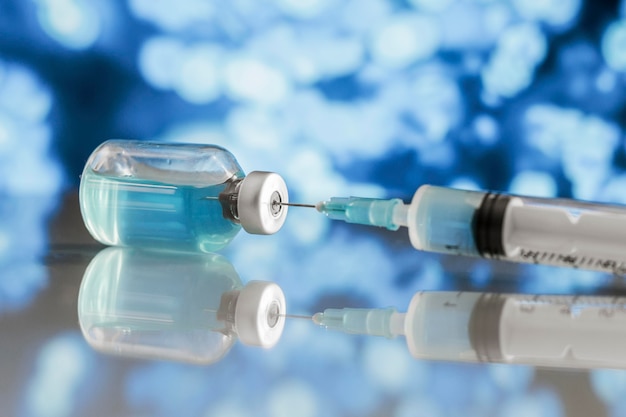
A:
x,y
30,179
52,393
541,403
609,385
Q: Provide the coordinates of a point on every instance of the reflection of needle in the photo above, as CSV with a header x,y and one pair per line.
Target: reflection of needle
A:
x,y
297,316
289,316
274,203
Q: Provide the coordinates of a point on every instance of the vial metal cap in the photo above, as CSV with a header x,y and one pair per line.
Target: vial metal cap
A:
x,y
257,200
259,315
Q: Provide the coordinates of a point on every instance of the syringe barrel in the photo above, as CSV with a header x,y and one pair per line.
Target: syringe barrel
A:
x,y
437,326
554,331
557,232
441,219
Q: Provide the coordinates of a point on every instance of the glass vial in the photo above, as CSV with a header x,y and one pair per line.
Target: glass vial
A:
x,y
188,307
178,196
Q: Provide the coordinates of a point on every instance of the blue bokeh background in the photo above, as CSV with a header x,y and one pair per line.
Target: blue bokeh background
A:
x,y
357,97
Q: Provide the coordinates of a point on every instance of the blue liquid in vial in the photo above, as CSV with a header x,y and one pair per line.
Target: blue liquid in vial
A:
x,y
131,212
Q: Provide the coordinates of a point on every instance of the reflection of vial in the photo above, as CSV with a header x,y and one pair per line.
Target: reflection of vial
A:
x,y
187,307
184,196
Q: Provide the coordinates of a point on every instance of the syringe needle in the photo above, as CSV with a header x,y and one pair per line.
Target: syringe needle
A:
x,y
295,204
297,316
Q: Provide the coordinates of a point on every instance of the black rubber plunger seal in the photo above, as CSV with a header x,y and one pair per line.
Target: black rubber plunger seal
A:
x,y
484,327
488,224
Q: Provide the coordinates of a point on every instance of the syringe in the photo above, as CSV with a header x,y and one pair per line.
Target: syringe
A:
x,y
555,331
557,232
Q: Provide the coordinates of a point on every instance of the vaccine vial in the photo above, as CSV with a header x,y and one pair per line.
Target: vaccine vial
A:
x,y
180,306
176,196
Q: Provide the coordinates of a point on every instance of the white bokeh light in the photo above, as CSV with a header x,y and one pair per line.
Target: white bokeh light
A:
x,y
199,79
362,16
511,66
405,39
387,363
472,26
293,395
192,71
533,183
160,60
228,408
363,128
436,6
486,128
584,143
435,103
511,378
173,15
614,45
465,183
419,407
26,167
613,190
304,9
60,370
251,80
559,13
608,384
75,24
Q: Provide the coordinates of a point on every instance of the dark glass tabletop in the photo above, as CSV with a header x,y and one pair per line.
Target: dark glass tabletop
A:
x,y
48,366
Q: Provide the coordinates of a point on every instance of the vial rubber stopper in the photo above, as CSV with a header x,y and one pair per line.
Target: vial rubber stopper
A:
x,y
259,315
258,202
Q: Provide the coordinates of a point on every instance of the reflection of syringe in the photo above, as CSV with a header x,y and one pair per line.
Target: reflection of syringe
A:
x,y
555,331
555,232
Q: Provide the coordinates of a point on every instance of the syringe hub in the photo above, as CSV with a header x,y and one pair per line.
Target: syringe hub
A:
x,y
318,318
385,322
367,211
